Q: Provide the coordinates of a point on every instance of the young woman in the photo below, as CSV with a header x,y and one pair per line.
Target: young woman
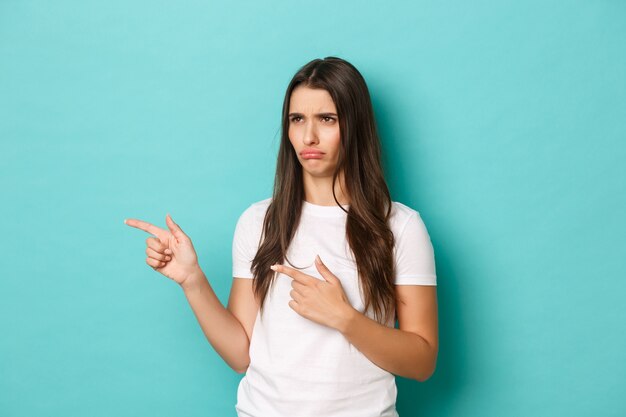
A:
x,y
321,270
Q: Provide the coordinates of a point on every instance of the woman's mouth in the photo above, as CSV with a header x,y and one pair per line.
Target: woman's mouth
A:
x,y
311,154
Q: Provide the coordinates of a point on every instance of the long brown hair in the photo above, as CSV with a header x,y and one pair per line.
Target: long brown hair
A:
x,y
367,230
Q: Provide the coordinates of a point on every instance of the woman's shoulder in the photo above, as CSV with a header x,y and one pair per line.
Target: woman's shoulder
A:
x,y
400,211
259,207
256,210
400,215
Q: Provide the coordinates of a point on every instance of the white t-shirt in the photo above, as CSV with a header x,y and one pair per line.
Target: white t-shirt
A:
x,y
299,368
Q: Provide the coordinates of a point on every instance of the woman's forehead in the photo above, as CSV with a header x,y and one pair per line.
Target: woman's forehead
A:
x,y
304,99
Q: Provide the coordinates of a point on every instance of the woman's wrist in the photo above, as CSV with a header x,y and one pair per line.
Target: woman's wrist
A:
x,y
346,318
193,280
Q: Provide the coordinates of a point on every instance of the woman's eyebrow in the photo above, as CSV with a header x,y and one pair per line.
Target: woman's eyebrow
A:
x,y
318,114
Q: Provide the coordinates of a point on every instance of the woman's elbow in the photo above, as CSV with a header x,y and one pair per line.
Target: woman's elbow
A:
x,y
241,370
428,368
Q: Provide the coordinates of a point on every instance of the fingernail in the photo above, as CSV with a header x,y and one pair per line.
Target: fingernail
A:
x,y
273,267
317,258
168,251
125,221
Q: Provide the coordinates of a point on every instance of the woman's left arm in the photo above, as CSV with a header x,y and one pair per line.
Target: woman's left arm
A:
x,y
411,350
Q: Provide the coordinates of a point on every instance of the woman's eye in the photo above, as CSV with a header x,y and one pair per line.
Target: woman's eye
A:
x,y
325,119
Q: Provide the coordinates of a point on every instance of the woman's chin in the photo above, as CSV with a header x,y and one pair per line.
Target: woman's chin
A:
x,y
321,171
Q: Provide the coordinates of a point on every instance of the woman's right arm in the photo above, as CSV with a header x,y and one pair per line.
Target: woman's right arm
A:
x,y
224,331
228,330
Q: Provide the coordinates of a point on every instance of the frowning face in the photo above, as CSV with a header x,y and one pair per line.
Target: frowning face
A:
x,y
314,130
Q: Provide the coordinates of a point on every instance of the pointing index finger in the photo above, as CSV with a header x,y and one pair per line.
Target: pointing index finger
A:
x,y
146,227
293,273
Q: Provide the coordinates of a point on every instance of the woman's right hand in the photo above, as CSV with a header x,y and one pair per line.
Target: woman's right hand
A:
x,y
171,252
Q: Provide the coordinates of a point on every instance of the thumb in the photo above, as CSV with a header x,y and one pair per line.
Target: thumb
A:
x,y
324,271
174,228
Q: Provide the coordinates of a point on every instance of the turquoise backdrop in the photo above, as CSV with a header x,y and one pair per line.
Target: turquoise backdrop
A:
x,y
503,124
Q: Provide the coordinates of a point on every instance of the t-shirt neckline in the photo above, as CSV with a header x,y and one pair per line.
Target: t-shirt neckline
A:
x,y
325,211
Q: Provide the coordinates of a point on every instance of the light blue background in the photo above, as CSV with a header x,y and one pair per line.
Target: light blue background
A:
x,y
503,124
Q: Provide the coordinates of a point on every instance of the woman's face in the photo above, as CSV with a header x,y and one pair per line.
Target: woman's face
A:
x,y
314,130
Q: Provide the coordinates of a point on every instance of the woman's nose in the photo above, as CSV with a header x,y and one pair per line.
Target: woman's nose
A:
x,y
310,134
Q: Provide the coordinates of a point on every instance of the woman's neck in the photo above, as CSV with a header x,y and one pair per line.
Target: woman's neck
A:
x,y
318,190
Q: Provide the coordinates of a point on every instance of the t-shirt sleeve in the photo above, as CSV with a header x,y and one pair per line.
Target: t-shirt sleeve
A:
x,y
414,255
245,244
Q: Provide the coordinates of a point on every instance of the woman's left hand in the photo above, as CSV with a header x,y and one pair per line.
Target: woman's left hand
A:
x,y
322,301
